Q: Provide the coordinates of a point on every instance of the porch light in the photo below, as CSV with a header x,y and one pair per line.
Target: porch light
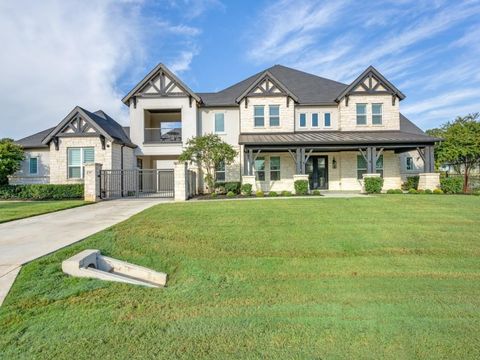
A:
x,y
334,163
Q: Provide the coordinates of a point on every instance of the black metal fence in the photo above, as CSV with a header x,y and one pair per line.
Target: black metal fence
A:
x,y
158,183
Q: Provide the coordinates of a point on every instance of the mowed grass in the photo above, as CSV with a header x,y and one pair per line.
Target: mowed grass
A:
x,y
394,277
14,210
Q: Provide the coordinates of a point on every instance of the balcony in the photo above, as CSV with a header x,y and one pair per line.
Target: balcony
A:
x,y
163,135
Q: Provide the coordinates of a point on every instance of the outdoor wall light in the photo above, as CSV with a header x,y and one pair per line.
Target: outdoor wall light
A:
x,y
334,163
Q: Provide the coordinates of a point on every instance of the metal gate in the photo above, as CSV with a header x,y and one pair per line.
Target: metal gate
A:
x,y
159,183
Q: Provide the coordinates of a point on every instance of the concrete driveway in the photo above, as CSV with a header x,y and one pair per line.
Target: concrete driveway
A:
x,y
27,239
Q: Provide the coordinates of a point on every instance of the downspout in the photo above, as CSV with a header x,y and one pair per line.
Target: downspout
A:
x,y
121,168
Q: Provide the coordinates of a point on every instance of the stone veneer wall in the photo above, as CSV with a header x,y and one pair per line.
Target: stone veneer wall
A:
x,y
287,115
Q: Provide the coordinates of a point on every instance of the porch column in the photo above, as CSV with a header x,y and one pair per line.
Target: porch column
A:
x,y
180,176
428,157
298,163
250,162
92,182
245,162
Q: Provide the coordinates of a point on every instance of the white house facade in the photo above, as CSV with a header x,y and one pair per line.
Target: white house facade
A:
x,y
285,124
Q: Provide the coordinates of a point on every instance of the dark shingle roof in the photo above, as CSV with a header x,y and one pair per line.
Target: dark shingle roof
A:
x,y
110,126
35,140
408,126
309,88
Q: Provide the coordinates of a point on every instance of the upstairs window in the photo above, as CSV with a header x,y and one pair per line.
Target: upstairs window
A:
x,y
33,166
314,120
377,114
361,114
260,169
409,163
220,171
259,116
275,168
274,115
303,120
327,120
219,122
362,166
76,159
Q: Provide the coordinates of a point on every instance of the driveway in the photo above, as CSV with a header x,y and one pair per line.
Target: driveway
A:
x,y
24,240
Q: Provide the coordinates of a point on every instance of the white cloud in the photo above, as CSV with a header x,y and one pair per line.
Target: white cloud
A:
x,y
183,61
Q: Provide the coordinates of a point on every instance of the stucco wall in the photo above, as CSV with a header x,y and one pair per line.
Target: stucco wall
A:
x,y
232,123
418,166
23,176
286,114
129,159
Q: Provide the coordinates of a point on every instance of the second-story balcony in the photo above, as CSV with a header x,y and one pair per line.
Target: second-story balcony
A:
x,y
163,135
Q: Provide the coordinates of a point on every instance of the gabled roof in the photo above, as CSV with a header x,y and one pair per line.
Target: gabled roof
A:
x,y
369,73
151,75
100,121
35,140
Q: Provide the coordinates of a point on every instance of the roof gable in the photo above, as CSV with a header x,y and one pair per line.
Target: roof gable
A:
x,y
371,82
266,85
160,82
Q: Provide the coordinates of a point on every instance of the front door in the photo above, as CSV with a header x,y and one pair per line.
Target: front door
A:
x,y
317,170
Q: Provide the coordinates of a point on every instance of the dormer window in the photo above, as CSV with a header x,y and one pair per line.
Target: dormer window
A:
x,y
274,115
377,111
259,116
361,114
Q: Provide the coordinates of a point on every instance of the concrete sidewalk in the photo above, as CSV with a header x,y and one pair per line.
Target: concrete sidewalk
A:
x,y
27,239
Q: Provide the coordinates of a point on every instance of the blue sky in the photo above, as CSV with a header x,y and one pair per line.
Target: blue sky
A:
x,y
62,53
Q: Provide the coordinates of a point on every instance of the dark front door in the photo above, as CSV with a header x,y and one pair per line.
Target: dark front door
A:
x,y
317,170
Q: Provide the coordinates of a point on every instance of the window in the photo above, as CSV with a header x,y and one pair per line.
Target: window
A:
x,y
260,169
77,158
327,121
275,168
362,166
259,117
377,114
409,163
219,122
303,120
314,120
274,115
220,171
33,166
361,114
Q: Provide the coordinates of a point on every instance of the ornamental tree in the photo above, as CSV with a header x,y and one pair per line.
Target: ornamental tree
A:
x,y
11,155
461,144
208,151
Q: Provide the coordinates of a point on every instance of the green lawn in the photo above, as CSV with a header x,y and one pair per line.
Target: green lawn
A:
x,y
395,277
13,210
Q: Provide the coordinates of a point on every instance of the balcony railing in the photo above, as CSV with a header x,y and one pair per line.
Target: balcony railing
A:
x,y
163,135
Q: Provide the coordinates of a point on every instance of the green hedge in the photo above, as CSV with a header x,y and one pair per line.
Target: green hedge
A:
x,y
451,185
373,185
301,187
233,186
246,189
42,192
411,183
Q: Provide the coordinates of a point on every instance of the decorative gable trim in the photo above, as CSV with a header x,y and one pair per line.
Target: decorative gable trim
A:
x,y
371,82
160,82
266,85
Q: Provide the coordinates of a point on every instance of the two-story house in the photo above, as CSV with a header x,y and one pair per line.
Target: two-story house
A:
x,y
285,124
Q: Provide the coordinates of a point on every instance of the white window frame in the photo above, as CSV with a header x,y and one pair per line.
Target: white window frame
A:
x,y
258,116
279,170
324,120
315,126
300,120
264,171
274,116
357,114
381,114
215,123
82,164
29,166
221,169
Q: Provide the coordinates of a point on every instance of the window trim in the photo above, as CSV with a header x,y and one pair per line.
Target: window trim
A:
x,y
381,114
378,170
260,171
406,163
257,116
215,122
274,116
221,171
82,161
300,120
315,126
365,115
30,166
279,170
329,119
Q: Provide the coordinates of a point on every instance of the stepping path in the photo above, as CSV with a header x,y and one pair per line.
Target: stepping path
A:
x,y
27,239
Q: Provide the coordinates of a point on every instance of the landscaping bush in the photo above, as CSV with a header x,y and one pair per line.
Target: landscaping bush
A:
x,y
421,191
451,185
316,192
272,194
411,183
394,191
301,187
373,185
438,191
286,193
213,195
246,189
42,192
428,191
259,194
233,186
412,191
230,194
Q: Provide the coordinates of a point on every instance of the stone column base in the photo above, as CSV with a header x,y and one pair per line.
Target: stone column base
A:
x,y
367,176
429,181
300,177
180,178
92,182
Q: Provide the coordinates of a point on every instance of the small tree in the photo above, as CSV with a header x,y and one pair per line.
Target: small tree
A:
x,y
208,151
11,155
461,144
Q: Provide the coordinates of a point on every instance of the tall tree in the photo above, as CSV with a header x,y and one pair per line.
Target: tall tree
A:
x,y
11,155
208,151
461,144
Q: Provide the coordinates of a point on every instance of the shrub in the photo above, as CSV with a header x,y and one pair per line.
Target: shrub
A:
x,y
246,189
373,185
286,193
451,185
220,188
421,191
233,186
394,191
42,191
428,191
230,194
412,191
213,195
411,183
301,187
272,194
438,191
316,192
259,194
